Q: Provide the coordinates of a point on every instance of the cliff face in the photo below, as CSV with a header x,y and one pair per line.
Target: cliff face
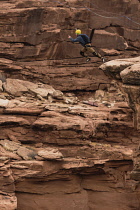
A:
x,y
69,130
34,37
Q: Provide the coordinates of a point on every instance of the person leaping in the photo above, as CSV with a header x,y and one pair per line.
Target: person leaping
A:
x,y
84,40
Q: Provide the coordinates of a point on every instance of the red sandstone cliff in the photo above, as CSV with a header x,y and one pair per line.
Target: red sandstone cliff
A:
x,y
57,150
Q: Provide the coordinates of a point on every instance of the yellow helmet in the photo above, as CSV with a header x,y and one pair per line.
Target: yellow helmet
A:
x,y
78,31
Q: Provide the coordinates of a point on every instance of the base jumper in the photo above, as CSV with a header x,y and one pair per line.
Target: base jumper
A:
x,y
84,40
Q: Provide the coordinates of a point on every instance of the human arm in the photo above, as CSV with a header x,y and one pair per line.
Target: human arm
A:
x,y
74,40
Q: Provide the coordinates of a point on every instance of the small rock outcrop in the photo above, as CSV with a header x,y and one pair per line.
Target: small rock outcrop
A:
x,y
127,73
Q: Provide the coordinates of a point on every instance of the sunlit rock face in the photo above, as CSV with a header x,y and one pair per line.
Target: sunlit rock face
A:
x,y
127,73
69,130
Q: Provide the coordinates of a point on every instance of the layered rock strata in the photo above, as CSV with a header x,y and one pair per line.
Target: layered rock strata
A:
x,y
34,37
57,150
67,137
127,73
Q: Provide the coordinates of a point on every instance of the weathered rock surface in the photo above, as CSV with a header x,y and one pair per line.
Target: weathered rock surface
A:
x,y
127,71
67,137
55,150
50,154
42,51
131,75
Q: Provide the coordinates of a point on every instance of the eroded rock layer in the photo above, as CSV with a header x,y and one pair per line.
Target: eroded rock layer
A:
x,y
69,130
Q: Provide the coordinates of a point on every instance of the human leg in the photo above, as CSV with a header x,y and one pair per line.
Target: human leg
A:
x,y
90,49
83,53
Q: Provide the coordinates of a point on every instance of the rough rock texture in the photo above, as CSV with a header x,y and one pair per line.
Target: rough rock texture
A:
x,y
34,43
127,71
69,130
67,151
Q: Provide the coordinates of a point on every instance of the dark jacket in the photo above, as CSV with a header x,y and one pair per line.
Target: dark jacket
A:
x,y
83,39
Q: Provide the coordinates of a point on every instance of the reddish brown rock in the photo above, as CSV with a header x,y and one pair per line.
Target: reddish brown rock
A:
x,y
56,151
131,75
4,120
23,111
8,200
50,154
127,71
